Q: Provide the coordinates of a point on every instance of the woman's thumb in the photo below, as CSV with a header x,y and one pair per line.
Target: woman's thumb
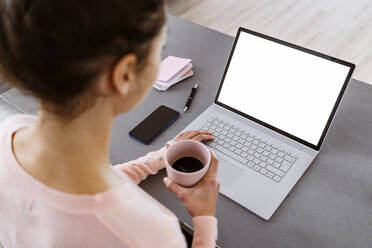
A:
x,y
174,187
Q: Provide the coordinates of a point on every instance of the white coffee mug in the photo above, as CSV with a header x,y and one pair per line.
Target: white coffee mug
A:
x,y
187,148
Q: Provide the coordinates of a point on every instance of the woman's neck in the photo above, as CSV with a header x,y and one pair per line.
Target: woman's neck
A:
x,y
69,155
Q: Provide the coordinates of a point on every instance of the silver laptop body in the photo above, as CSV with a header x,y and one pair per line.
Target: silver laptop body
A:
x,y
269,92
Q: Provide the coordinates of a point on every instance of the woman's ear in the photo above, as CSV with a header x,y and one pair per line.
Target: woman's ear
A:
x,y
124,74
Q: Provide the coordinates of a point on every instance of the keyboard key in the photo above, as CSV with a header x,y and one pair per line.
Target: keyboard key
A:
x,y
230,135
276,165
253,147
285,166
227,128
274,151
244,154
276,178
221,125
262,145
263,171
238,133
268,148
250,157
256,161
251,152
231,154
270,174
213,144
250,164
279,160
236,138
255,142
275,170
260,150
221,136
245,148
233,142
256,155
266,153
250,139
231,148
218,129
227,140
239,146
247,143
289,158
220,142
226,145
281,154
224,132
241,141
263,158
213,127
263,164
270,161
238,151
215,122
244,136
257,168
293,155
272,156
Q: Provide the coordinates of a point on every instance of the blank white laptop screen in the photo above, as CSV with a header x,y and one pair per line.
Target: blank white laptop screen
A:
x,y
284,87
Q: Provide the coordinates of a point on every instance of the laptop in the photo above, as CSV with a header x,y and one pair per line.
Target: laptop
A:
x,y
273,108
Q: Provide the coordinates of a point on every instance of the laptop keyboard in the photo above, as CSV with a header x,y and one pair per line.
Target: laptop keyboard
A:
x,y
249,150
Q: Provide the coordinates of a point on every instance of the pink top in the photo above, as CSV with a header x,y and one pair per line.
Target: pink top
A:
x,y
34,215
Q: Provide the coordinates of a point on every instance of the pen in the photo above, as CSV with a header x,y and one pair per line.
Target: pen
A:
x,y
189,100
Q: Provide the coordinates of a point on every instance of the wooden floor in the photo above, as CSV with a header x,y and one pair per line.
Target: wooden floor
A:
x,y
341,28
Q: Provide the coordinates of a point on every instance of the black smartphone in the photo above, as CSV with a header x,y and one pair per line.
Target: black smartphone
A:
x,y
154,124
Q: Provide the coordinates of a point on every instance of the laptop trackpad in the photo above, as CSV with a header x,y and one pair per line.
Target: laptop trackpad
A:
x,y
228,174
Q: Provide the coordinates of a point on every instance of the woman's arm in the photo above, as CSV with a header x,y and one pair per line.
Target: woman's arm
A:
x,y
140,168
205,232
152,162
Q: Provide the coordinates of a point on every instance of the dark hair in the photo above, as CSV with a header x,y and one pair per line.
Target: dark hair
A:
x,y
56,49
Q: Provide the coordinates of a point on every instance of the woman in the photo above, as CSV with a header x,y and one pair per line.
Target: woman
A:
x,y
86,61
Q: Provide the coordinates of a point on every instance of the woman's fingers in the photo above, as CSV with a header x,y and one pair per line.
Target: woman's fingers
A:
x,y
190,135
201,137
213,168
193,134
176,189
181,135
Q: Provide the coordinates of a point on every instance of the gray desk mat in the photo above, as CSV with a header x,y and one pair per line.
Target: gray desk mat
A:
x,y
331,206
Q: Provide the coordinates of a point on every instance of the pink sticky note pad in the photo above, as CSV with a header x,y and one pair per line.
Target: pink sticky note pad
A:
x,y
171,66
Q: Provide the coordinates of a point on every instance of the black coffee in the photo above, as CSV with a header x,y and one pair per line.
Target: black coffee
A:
x,y
188,164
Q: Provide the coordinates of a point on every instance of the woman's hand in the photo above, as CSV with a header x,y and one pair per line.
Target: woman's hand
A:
x,y
201,199
198,135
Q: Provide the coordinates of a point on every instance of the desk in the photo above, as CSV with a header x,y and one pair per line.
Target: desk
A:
x,y
331,206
